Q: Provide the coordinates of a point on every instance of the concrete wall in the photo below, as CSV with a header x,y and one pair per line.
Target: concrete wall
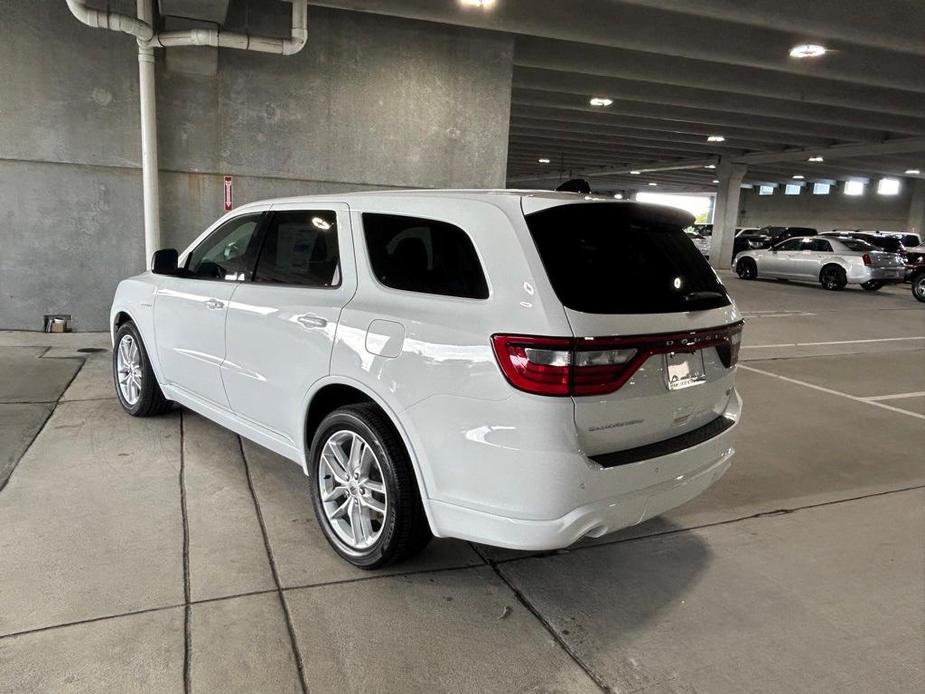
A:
x,y
825,212
371,102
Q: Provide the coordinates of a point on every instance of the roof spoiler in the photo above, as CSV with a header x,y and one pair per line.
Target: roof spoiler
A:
x,y
575,185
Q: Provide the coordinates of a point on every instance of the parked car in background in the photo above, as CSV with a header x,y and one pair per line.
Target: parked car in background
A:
x,y
749,237
778,234
833,262
908,239
702,243
917,277
448,362
915,254
703,229
889,243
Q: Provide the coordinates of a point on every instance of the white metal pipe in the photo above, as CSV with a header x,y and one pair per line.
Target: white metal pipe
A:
x,y
101,19
228,39
149,163
142,28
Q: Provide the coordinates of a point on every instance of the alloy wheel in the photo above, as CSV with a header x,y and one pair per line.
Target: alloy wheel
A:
x,y
918,288
129,369
353,493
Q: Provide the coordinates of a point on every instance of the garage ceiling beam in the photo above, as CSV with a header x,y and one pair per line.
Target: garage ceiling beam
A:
x,y
658,127
714,100
901,145
716,119
892,146
583,59
874,24
664,31
604,143
553,128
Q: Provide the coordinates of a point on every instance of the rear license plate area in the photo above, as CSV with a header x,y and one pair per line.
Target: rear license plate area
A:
x,y
684,370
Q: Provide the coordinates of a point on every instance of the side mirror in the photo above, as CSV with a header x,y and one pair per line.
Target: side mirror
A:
x,y
164,262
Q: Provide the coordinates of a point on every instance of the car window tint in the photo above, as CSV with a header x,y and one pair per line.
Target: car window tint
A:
x,y
300,247
822,246
423,255
228,252
790,245
622,259
857,245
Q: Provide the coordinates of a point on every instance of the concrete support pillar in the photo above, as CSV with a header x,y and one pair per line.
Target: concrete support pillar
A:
x,y
726,211
916,222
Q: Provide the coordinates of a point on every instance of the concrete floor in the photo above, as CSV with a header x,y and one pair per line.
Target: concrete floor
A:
x,y
165,555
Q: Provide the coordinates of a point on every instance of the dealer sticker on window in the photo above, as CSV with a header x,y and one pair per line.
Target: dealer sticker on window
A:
x,y
684,369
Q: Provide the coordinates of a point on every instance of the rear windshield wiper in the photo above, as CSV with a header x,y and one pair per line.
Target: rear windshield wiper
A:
x,y
702,296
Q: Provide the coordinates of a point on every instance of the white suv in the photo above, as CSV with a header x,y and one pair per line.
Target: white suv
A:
x,y
521,369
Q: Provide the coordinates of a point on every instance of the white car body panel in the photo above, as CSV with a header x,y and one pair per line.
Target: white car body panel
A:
x,y
494,464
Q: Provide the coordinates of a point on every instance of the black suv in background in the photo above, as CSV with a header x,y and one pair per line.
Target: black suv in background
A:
x,y
890,244
765,237
778,234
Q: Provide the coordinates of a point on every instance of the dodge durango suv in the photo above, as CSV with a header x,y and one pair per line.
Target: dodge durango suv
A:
x,y
520,369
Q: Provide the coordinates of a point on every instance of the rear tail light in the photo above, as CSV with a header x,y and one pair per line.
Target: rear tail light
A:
x,y
866,259
593,366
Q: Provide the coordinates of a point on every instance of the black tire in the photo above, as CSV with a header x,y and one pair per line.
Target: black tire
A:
x,y
746,269
404,531
151,400
872,285
833,278
918,285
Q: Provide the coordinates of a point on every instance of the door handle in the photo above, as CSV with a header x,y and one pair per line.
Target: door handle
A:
x,y
215,304
311,321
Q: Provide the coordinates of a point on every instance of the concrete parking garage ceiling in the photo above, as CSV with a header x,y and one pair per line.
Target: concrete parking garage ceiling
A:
x,y
679,72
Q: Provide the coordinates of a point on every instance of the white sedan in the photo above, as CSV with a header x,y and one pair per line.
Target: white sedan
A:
x,y
833,262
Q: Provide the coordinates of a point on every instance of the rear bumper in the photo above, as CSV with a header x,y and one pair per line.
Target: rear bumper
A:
x,y
595,500
868,274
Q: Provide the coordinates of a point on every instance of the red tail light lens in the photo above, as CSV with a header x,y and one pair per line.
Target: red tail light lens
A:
x,y
866,259
593,366
539,365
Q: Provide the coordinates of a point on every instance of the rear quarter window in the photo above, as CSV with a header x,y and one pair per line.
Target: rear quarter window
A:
x,y
623,258
423,255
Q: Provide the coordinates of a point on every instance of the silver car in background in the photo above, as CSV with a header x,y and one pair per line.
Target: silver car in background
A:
x,y
833,262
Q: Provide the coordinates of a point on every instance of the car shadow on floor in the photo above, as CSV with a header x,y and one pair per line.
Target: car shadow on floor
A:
x,y
613,586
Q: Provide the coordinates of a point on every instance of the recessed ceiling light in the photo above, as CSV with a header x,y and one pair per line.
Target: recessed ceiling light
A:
x,y
710,166
716,180
483,4
808,50
816,159
635,173
601,101
913,172
543,160
798,177
716,138
653,183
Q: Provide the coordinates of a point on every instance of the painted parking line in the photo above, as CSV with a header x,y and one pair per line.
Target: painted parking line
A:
x,y
822,389
895,396
833,342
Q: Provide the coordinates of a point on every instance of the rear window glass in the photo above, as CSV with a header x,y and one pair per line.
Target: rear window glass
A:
x,y
856,245
619,258
423,255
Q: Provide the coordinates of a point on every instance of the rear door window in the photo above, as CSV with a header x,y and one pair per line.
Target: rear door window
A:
x,y
620,259
789,245
423,255
300,247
